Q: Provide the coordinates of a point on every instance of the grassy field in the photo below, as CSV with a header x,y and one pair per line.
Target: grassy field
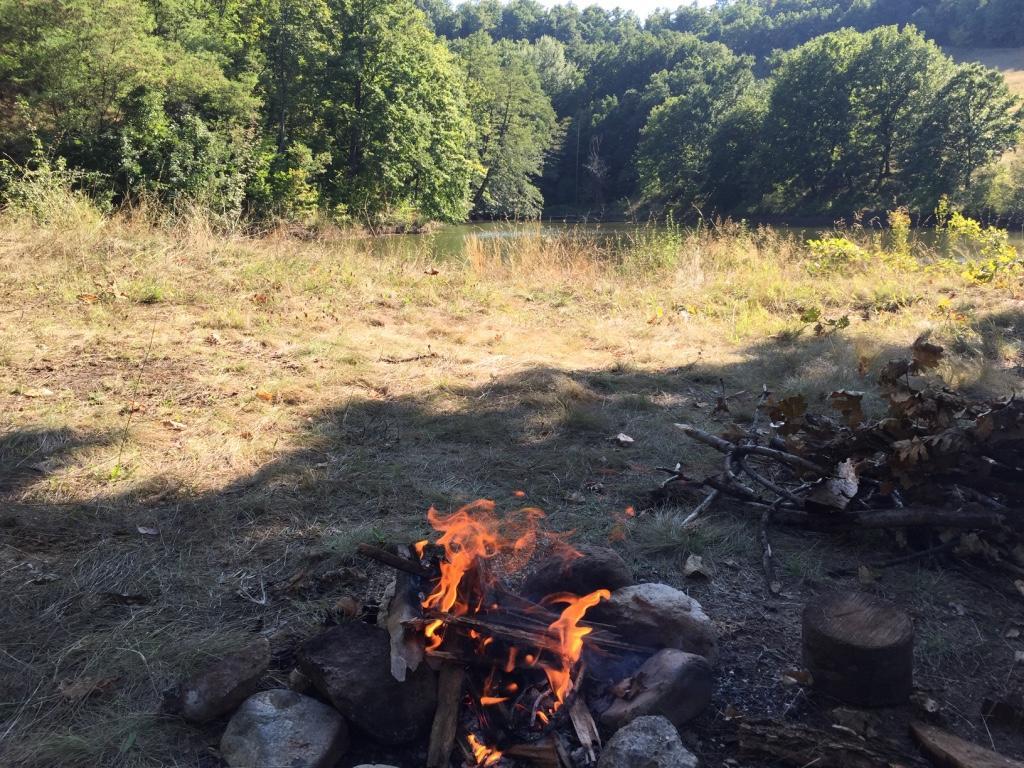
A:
x,y
197,429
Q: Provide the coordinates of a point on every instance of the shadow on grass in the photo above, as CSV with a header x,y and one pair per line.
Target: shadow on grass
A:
x,y
147,607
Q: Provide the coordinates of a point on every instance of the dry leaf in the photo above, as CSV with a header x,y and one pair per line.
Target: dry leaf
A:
x,y
148,531
848,403
88,298
83,687
623,439
348,606
926,355
177,426
694,567
787,415
265,396
866,575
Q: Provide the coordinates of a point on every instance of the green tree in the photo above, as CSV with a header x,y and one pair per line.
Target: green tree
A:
x,y
894,77
516,125
971,121
676,140
92,81
396,114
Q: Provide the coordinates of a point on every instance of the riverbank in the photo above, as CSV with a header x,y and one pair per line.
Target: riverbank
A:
x,y
197,430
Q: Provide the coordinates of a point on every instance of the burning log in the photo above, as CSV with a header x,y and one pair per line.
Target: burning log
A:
x,y
510,668
543,753
446,717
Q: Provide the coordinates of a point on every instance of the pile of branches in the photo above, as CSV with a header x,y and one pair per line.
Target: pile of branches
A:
x,y
945,469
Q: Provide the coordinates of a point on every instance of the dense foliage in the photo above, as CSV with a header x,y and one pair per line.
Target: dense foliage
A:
x,y
395,111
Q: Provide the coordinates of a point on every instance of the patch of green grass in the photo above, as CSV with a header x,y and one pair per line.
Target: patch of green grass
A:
x,y
146,291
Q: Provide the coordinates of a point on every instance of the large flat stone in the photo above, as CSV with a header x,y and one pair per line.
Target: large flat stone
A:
x,y
672,683
350,664
659,616
284,729
222,686
647,742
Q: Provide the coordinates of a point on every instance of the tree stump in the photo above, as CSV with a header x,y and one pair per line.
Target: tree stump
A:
x,y
859,649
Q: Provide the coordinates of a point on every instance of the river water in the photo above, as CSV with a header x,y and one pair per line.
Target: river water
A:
x,y
451,242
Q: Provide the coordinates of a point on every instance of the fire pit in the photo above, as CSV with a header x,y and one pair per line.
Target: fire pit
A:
x,y
521,675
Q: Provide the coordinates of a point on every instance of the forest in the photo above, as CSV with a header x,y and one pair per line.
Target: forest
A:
x,y
400,112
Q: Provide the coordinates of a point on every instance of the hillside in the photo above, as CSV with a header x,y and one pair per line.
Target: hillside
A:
x,y
1009,61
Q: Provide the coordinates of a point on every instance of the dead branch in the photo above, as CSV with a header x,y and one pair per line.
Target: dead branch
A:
x,y
394,561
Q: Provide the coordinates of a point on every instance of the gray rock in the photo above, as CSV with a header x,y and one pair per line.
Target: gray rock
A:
x,y
672,683
647,742
598,568
284,729
221,687
659,616
350,664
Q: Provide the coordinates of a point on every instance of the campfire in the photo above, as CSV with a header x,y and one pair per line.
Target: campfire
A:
x,y
514,668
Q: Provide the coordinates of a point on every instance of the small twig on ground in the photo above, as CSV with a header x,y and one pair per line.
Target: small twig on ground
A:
x,y
702,507
430,355
767,554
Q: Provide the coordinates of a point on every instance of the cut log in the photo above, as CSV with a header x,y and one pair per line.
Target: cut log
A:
x,y
859,649
446,716
948,751
802,746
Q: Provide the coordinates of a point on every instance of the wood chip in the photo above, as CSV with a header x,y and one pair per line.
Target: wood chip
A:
x,y
949,751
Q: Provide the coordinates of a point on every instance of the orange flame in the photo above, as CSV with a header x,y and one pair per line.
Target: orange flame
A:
x,y
484,755
432,635
570,638
471,533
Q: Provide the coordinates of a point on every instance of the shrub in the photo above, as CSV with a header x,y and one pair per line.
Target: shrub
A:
x,y
834,254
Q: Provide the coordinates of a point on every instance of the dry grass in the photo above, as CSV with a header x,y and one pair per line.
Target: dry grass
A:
x,y
266,404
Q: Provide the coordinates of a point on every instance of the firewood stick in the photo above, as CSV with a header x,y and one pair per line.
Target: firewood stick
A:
x,y
720,445
585,727
543,753
906,517
394,561
544,640
446,716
